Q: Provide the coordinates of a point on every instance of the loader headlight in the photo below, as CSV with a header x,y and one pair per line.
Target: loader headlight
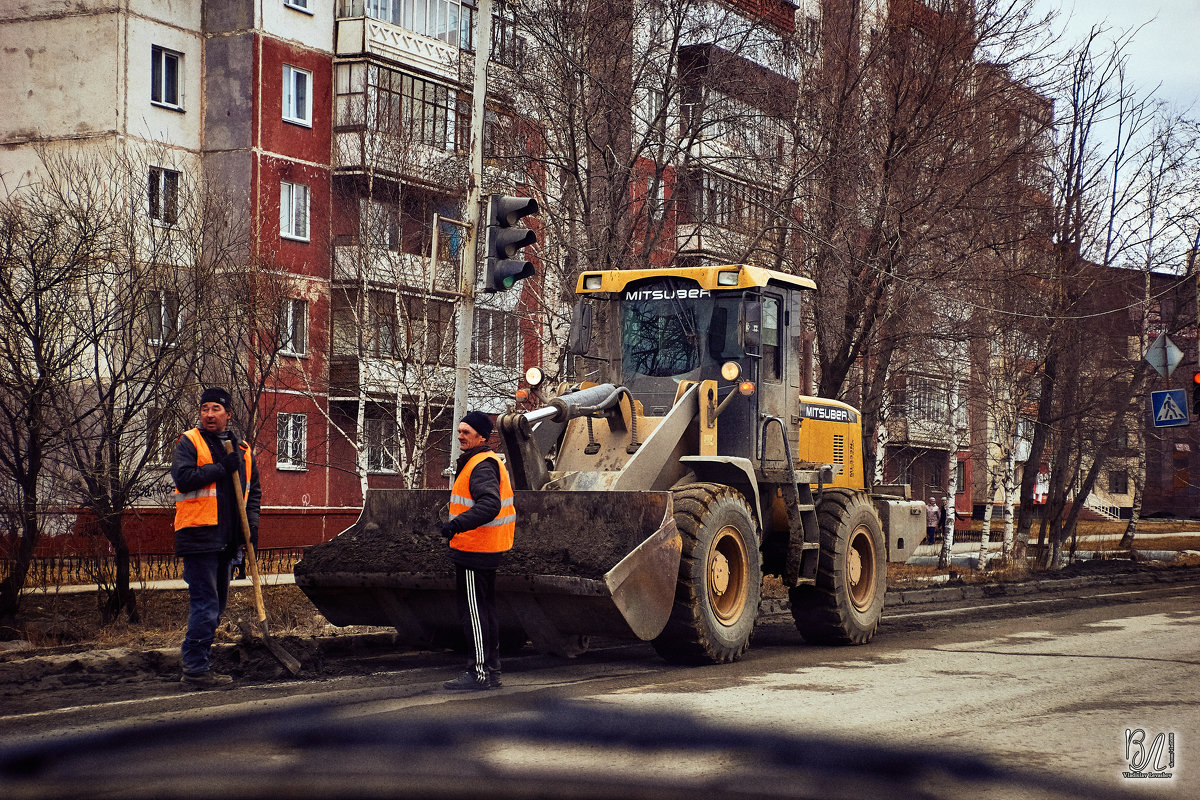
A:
x,y
534,376
730,370
728,278
593,282
746,388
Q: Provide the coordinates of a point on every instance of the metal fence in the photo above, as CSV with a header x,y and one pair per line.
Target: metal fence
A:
x,y
71,569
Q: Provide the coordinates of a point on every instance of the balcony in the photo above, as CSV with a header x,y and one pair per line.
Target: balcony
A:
x,y
365,36
379,266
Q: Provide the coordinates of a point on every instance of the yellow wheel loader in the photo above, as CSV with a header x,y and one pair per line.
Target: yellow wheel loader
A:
x,y
652,497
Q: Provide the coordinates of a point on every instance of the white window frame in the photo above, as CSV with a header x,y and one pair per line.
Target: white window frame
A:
x,y
162,195
380,437
298,5
159,311
160,443
293,210
293,327
291,446
160,58
297,111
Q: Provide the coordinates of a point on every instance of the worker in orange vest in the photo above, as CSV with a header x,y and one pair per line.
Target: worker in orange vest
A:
x,y
480,530
208,528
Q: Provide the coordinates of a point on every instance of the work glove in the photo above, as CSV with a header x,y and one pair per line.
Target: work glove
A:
x,y
230,462
447,530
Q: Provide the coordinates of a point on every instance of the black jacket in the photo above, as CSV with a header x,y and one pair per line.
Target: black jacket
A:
x,y
226,535
485,491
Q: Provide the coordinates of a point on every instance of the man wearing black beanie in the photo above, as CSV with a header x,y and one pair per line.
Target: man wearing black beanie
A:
x,y
481,527
208,528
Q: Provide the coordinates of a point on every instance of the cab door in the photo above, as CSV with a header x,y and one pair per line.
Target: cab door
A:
x,y
771,380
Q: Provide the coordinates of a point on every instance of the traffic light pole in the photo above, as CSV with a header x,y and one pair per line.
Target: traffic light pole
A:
x,y
466,302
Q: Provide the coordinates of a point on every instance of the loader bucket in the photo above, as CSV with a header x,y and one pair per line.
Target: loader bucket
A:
x,y
583,563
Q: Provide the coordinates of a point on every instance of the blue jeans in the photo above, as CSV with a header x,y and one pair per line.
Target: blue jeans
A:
x,y
207,579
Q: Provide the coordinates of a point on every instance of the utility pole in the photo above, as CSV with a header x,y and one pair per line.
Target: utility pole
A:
x,y
466,303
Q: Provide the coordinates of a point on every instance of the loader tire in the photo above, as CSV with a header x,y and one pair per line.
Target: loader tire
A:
x,y
720,577
845,605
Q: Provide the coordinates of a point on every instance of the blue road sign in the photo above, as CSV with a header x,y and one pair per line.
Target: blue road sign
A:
x,y
1169,408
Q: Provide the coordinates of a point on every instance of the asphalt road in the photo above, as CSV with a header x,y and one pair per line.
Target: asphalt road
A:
x,y
1023,697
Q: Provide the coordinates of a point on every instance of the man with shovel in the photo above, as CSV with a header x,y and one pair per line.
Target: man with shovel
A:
x,y
208,527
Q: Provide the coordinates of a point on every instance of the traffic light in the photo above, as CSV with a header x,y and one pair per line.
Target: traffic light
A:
x,y
1196,394
504,239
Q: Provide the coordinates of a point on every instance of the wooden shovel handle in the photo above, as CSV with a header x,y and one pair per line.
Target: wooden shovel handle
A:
x,y
250,559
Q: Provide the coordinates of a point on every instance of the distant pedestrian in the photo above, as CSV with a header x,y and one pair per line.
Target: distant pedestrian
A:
x,y
931,521
941,528
208,529
238,565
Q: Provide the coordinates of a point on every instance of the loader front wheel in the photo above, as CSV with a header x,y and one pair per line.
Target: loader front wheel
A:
x,y
845,605
720,577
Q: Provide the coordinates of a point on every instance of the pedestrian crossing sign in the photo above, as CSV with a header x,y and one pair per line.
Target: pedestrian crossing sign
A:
x,y
1169,407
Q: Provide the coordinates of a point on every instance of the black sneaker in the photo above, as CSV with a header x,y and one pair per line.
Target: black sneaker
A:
x,y
206,680
494,678
469,681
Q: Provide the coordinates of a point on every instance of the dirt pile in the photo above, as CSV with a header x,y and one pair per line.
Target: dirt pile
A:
x,y
581,534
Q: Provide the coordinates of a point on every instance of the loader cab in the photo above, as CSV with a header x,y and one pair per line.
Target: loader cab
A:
x,y
678,325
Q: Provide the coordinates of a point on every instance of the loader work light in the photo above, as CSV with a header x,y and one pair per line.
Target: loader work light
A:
x,y
504,239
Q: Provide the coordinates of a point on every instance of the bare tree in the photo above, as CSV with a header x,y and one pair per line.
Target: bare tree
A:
x,y
139,318
1106,208
51,236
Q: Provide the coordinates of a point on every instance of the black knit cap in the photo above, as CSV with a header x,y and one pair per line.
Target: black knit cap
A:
x,y
480,422
214,394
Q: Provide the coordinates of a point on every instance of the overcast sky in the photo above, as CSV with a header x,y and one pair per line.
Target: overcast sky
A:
x,y
1166,50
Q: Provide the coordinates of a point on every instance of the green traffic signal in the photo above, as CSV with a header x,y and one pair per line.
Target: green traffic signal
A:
x,y
504,239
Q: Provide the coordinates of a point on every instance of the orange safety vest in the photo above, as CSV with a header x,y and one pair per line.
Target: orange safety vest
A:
x,y
495,536
196,508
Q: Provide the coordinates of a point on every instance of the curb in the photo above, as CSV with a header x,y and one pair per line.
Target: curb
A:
x,y
981,591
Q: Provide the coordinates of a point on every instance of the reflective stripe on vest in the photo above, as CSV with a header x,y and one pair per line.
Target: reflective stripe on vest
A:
x,y
199,507
495,536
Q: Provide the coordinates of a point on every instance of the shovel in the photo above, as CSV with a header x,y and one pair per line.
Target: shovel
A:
x,y
289,661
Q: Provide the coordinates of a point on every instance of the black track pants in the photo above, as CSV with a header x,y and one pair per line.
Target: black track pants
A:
x,y
477,612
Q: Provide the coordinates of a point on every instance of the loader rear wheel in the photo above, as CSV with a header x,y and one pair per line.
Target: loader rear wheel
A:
x,y
720,577
845,605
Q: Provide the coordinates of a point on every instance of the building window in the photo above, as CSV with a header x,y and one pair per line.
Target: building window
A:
x,y
299,5
160,437
726,203
164,77
381,325
508,48
164,317
164,195
1118,482
810,35
380,224
960,477
927,400
293,327
380,434
292,435
497,339
293,211
429,330
297,96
